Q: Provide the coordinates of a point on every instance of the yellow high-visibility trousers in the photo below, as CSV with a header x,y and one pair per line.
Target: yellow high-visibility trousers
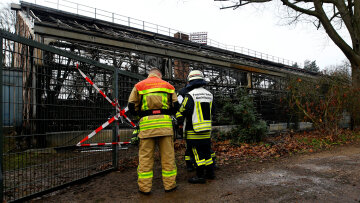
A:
x,y
146,162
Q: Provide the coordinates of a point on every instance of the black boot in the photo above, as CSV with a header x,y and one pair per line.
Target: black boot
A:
x,y
199,178
209,172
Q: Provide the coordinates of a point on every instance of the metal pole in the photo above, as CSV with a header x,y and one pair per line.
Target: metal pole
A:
x,y
129,21
113,17
1,122
95,13
77,8
143,25
115,148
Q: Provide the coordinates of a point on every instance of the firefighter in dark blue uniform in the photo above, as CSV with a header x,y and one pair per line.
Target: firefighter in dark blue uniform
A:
x,y
195,113
196,83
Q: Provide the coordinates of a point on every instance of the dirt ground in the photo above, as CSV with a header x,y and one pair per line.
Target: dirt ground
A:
x,y
327,176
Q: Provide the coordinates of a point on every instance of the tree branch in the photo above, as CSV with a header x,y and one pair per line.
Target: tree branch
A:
x,y
346,16
334,16
332,33
345,12
299,9
243,3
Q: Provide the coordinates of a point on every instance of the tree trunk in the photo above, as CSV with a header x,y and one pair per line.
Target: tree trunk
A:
x,y
355,117
355,72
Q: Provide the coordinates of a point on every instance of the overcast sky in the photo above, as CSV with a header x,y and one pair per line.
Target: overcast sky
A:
x,y
258,28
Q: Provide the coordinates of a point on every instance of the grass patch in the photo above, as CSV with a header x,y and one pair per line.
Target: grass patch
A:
x,y
20,160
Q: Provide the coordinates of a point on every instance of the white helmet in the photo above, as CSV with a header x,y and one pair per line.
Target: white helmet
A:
x,y
195,74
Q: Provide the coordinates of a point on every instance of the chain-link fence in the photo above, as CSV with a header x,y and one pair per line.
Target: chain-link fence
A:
x,y
47,108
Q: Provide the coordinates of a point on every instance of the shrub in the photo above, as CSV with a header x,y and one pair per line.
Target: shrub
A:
x,y
241,112
323,101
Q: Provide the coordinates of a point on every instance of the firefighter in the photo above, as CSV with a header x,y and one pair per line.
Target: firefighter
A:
x,y
195,112
154,100
181,95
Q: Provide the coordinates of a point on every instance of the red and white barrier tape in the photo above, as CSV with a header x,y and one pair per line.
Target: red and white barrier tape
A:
x,y
122,112
103,144
116,117
97,88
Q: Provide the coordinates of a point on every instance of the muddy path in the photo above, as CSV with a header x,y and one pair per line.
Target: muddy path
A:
x,y
327,176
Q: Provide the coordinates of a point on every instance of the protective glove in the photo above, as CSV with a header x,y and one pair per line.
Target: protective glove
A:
x,y
135,139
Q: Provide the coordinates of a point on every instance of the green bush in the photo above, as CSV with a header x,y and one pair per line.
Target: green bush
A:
x,y
241,112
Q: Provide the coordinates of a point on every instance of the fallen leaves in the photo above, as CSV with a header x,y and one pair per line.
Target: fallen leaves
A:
x,y
284,144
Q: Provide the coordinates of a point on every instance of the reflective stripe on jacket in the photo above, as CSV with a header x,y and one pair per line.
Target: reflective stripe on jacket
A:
x,y
201,116
154,93
192,135
153,123
154,84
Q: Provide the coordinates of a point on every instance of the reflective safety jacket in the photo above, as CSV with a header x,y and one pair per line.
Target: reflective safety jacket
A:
x,y
153,99
201,116
196,108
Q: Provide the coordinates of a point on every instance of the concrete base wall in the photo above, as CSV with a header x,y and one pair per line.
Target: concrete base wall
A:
x,y
284,126
72,138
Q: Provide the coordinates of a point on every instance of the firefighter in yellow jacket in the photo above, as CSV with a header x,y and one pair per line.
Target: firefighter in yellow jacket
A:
x,y
154,100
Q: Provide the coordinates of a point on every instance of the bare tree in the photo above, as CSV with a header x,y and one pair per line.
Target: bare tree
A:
x,y
333,16
7,22
7,17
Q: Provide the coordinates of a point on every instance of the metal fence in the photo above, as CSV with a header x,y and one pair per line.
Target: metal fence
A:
x,y
46,108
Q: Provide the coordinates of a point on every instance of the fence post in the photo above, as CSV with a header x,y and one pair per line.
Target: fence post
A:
x,y
115,148
1,122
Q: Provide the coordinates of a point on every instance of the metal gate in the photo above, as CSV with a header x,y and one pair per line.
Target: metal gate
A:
x,y
46,108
